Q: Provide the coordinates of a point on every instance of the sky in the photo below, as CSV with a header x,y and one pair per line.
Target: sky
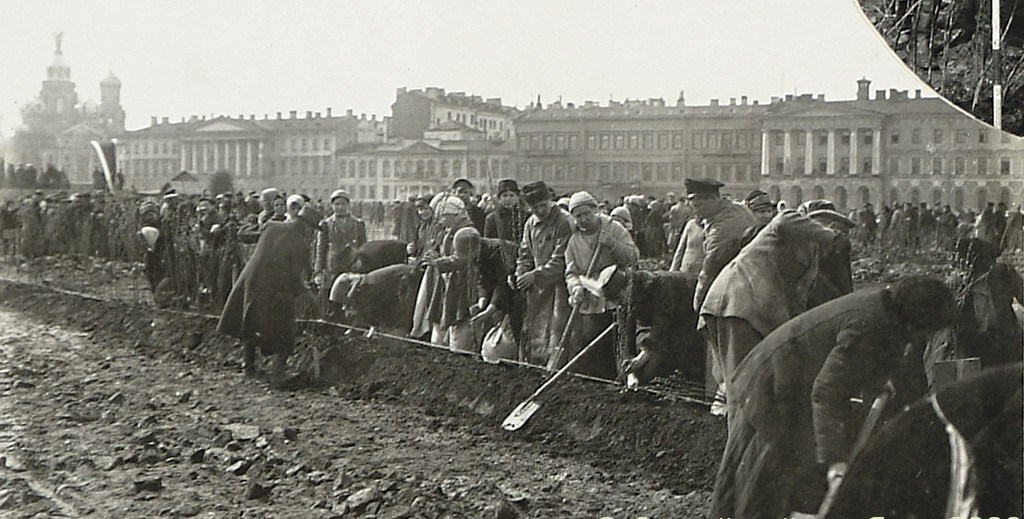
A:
x,y
185,57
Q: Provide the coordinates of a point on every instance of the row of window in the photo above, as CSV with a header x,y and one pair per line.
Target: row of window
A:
x,y
675,140
656,172
424,168
470,119
955,166
866,137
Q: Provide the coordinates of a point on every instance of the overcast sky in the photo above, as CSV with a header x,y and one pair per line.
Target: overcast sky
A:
x,y
184,57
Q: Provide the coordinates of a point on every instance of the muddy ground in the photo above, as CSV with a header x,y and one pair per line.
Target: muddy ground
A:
x,y
112,409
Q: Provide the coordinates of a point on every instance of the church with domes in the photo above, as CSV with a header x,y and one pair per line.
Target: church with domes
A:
x,y
58,126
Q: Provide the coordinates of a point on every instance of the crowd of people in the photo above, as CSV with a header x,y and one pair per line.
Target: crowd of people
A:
x,y
783,340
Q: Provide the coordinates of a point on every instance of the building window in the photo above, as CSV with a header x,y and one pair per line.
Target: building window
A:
x,y
982,136
648,141
936,165
742,140
560,142
845,139
634,141
362,169
779,166
959,166
547,141
573,142
591,171
894,138
960,136
823,138
822,166
534,142
698,140
620,141
591,142
373,169
1004,166
844,165
647,172
937,136
915,136
316,144
677,172
780,138
712,141
386,171
894,166
915,166
727,140
677,140
868,137
662,173
801,138
866,166
798,166
983,165
605,141
662,141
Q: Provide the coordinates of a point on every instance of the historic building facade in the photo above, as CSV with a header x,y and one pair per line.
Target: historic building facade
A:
x,y
416,112
885,150
401,168
293,153
58,126
642,146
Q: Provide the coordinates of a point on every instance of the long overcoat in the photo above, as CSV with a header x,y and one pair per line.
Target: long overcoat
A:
x,y
790,410
261,306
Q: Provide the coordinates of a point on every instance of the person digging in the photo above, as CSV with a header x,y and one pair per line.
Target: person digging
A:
x,y
260,309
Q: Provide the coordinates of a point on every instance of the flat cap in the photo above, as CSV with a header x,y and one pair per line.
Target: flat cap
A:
x,y
581,198
536,192
701,186
506,185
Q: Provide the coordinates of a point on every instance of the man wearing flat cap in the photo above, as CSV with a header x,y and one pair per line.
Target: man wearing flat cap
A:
x,y
724,224
540,272
261,307
338,239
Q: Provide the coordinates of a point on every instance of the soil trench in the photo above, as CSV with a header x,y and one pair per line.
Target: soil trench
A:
x,y
115,410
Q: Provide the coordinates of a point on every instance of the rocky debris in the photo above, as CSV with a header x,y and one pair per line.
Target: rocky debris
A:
x,y
197,456
243,432
239,468
505,509
14,461
147,484
105,463
255,489
221,439
143,437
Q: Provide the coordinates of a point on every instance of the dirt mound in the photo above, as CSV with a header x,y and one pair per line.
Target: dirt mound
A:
x,y
614,430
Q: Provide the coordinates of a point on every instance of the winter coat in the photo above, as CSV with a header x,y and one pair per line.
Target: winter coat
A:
x,y
689,255
580,249
722,234
337,240
767,283
790,411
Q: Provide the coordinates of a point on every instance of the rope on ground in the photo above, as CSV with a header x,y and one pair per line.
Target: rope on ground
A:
x,y
672,396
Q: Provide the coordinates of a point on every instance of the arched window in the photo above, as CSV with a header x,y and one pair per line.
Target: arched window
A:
x,y
818,193
864,194
982,199
958,199
894,197
1004,196
915,196
936,196
796,196
840,198
775,193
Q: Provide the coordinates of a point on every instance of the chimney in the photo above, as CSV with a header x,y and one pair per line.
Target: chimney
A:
x,y
863,87
743,100
309,114
373,117
152,120
165,120
879,95
241,116
292,114
917,93
714,102
732,101
318,115
348,113
821,97
278,115
775,99
328,111
362,116
756,102
252,117
789,97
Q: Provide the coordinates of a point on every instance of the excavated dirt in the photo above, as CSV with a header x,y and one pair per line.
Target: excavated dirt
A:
x,y
420,428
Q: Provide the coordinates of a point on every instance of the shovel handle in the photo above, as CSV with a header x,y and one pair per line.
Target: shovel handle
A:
x,y
571,362
556,356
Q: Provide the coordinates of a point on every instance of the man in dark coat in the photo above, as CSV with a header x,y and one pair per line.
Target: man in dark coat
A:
x,y
792,422
260,309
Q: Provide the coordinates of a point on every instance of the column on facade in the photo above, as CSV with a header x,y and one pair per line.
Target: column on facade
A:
x,y
259,159
830,168
192,147
766,160
216,156
248,158
854,145
237,169
809,152
787,152
206,157
182,150
876,152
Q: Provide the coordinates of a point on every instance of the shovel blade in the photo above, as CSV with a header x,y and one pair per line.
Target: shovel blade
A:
x,y
520,415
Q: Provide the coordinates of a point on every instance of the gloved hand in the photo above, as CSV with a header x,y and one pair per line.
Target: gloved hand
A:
x,y
577,296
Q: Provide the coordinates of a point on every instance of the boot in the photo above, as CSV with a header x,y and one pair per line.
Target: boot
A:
x,y
278,369
249,359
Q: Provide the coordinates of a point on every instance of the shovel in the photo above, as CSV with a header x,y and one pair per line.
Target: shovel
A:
x,y
528,407
558,355
874,414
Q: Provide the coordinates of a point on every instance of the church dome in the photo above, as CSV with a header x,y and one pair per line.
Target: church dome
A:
x,y
111,81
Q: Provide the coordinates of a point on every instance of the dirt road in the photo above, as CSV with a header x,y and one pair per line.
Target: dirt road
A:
x,y
98,428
